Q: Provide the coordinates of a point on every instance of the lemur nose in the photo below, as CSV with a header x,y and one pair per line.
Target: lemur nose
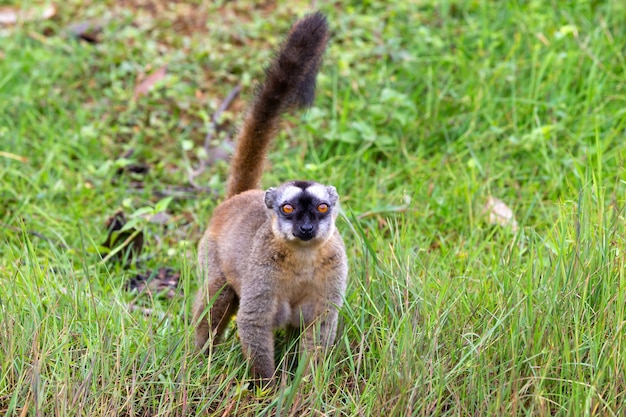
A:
x,y
306,228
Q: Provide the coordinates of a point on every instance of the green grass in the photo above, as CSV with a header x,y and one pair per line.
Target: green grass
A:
x,y
424,111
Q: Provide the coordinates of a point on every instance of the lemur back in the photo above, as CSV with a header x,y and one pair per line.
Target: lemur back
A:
x,y
274,258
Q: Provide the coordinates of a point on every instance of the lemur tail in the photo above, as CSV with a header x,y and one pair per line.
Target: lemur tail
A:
x,y
289,84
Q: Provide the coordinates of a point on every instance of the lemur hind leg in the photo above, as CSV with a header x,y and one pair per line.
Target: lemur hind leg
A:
x,y
216,293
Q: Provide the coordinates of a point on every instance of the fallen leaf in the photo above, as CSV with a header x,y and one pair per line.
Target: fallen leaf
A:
x,y
131,240
86,31
146,84
134,170
10,15
164,281
139,169
500,214
160,218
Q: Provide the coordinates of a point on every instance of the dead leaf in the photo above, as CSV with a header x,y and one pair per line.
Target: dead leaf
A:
x,y
160,218
164,281
10,15
500,214
86,31
134,170
131,240
146,84
138,169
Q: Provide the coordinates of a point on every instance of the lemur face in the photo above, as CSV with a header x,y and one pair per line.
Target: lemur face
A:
x,y
303,210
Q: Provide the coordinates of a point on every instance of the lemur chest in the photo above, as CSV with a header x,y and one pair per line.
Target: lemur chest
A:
x,y
302,291
297,270
298,284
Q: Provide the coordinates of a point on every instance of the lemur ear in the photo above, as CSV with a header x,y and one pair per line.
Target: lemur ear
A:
x,y
270,197
332,194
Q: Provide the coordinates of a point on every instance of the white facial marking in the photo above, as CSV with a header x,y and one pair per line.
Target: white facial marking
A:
x,y
318,191
290,192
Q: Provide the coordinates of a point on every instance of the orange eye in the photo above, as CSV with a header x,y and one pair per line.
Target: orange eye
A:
x,y
322,208
287,209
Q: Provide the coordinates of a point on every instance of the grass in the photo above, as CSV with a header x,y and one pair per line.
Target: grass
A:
x,y
424,111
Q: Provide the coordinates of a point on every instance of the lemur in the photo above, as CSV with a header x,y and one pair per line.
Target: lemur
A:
x,y
274,258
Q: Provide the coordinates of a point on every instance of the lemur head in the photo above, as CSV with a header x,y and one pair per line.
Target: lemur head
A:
x,y
304,211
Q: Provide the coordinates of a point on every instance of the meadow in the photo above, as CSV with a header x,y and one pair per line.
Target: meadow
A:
x,y
425,111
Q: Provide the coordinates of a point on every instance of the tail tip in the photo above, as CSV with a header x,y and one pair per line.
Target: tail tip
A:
x,y
311,26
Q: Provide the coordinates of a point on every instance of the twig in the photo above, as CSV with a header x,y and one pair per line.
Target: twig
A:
x,y
212,129
221,109
127,154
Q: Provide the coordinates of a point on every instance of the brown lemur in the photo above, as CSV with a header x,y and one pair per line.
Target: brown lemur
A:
x,y
274,258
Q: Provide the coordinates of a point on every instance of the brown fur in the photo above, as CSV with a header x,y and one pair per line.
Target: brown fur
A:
x,y
247,266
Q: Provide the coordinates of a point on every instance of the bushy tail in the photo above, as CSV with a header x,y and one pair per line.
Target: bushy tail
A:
x,y
289,84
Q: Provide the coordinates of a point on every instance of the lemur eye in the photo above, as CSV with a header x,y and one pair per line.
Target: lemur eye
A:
x,y
287,209
322,208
